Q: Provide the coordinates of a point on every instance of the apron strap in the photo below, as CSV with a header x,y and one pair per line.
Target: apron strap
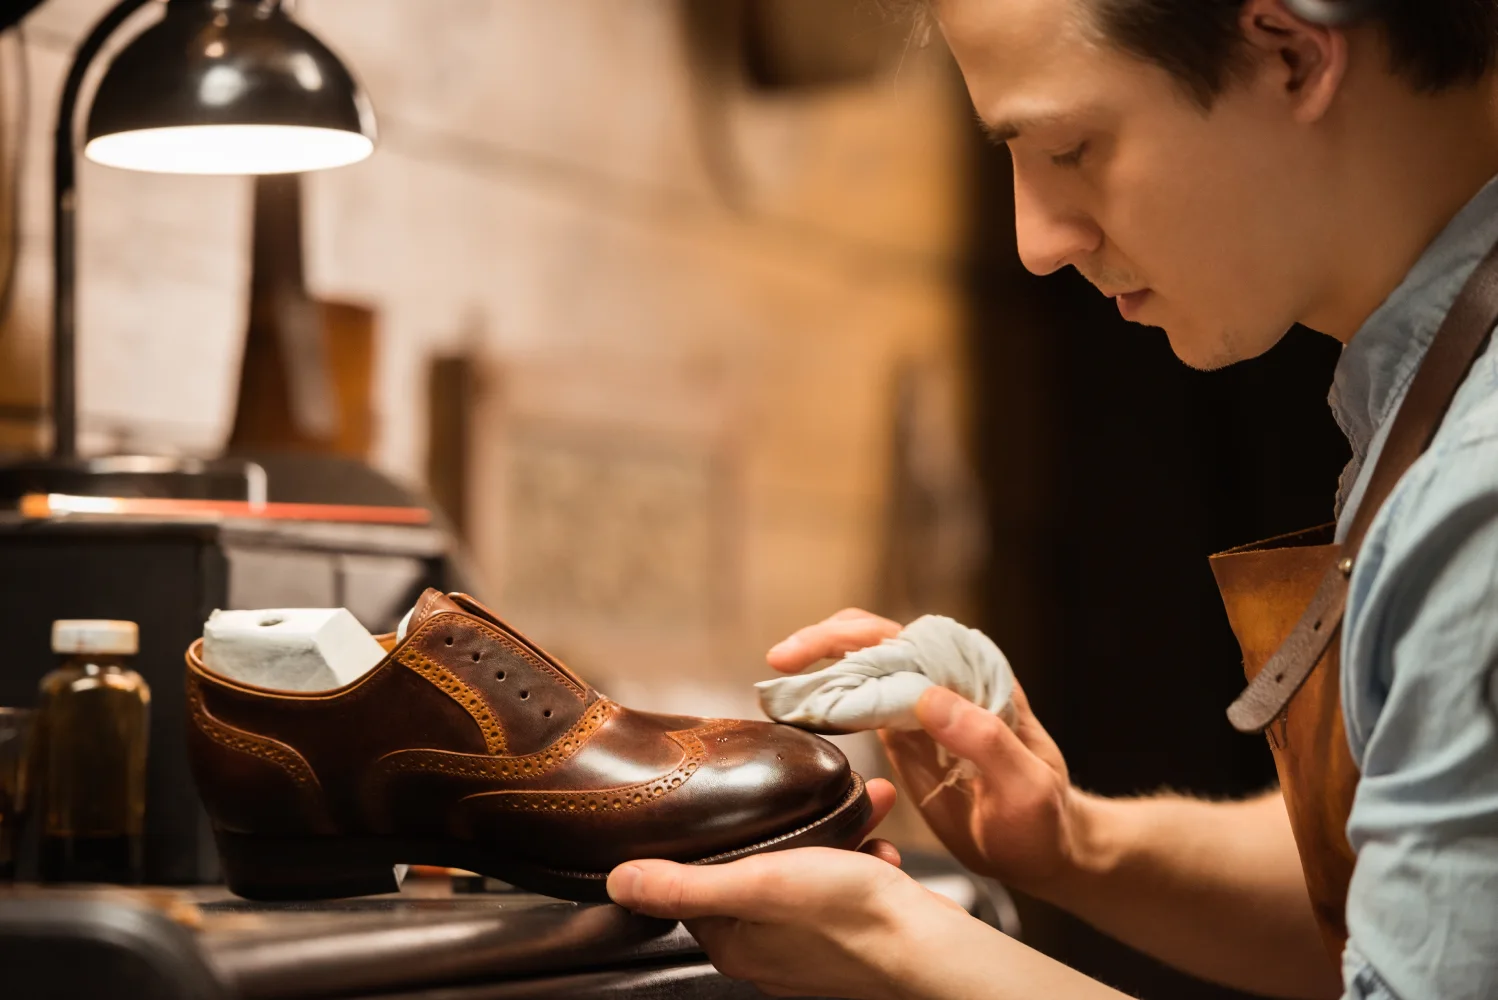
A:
x,y
1456,347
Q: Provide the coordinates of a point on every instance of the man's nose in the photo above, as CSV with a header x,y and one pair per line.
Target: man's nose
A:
x,y
1051,234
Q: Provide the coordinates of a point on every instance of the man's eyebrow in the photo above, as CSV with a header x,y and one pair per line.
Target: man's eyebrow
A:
x,y
1001,132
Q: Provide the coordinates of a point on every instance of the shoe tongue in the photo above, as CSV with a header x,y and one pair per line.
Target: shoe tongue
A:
x,y
433,601
428,604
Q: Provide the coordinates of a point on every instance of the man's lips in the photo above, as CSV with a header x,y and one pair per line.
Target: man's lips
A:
x,y
1129,303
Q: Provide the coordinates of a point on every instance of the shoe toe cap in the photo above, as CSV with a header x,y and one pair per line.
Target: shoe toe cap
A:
x,y
730,786
765,779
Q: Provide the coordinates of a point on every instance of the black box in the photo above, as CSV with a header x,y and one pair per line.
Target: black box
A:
x,y
167,576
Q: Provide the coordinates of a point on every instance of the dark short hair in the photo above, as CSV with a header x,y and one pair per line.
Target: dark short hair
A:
x,y
1435,44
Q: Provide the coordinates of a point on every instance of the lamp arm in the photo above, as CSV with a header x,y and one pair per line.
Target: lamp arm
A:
x,y
64,233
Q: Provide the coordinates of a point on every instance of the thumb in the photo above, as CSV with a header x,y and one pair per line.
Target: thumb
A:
x,y
965,730
746,889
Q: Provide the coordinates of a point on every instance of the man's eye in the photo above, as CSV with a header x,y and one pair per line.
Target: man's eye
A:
x,y
1071,158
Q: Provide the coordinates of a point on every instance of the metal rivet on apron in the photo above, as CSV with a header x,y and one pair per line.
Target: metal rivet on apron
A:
x,y
1345,566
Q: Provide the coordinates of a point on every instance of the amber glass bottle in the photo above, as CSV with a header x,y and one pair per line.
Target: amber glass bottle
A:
x,y
93,724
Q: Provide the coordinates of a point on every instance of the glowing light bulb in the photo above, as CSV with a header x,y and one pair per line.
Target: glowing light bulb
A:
x,y
230,149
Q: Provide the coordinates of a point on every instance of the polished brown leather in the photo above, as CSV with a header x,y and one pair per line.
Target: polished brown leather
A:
x,y
1265,587
1285,599
469,746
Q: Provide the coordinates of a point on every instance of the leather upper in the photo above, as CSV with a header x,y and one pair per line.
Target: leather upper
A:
x,y
468,730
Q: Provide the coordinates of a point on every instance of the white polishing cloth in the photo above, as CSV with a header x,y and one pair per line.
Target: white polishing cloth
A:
x,y
877,688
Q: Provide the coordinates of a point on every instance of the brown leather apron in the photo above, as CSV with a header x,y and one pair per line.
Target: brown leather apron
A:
x,y
1285,599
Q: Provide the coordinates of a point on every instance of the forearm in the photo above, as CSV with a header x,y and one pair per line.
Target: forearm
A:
x,y
959,958
1215,889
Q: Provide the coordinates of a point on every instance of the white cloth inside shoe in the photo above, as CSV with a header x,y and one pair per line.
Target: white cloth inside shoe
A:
x,y
290,649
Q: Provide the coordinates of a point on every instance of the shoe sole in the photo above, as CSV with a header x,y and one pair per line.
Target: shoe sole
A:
x,y
281,868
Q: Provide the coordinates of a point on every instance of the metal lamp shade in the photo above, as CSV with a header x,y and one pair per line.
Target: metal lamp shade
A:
x,y
228,87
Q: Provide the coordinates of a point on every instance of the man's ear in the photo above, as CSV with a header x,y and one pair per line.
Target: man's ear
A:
x,y
1304,61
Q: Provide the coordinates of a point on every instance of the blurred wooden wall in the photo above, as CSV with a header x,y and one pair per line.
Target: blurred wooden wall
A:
x,y
697,251
689,275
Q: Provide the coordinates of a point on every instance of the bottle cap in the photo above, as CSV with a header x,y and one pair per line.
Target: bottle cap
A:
x,y
95,635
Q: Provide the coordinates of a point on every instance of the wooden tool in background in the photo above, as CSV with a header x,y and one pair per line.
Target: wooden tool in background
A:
x,y
306,383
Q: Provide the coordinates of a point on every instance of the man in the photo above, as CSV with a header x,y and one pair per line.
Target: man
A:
x,y
1225,169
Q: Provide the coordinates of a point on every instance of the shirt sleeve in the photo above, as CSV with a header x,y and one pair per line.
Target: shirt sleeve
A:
x,y
1418,666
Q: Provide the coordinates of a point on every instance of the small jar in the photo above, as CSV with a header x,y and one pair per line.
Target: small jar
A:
x,y
93,724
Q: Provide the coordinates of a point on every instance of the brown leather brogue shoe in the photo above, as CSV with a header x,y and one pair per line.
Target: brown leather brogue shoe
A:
x,y
470,747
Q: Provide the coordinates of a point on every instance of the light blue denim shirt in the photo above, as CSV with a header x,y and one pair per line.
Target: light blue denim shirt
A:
x,y
1419,651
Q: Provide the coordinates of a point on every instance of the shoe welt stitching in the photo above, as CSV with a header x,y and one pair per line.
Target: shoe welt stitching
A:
x,y
694,752
855,791
530,766
467,698
272,751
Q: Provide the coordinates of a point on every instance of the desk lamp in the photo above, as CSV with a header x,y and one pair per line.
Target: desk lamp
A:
x,y
213,87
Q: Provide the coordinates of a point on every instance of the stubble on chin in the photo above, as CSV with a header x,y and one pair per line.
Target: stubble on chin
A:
x,y
1204,349
1207,350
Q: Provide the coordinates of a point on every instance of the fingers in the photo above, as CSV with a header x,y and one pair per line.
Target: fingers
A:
x,y
882,795
967,731
843,633
1033,735
883,850
1020,699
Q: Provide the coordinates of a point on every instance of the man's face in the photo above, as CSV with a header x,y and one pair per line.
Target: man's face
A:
x,y
1189,218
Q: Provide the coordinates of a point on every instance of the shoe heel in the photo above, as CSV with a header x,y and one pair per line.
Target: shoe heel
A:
x,y
295,868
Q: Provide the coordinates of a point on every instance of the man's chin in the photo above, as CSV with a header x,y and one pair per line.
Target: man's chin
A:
x,y
1209,352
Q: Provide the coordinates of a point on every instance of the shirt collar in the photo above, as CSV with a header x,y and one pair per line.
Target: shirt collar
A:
x,y
1378,363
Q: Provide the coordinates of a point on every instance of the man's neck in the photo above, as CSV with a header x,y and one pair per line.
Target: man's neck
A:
x,y
1423,160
